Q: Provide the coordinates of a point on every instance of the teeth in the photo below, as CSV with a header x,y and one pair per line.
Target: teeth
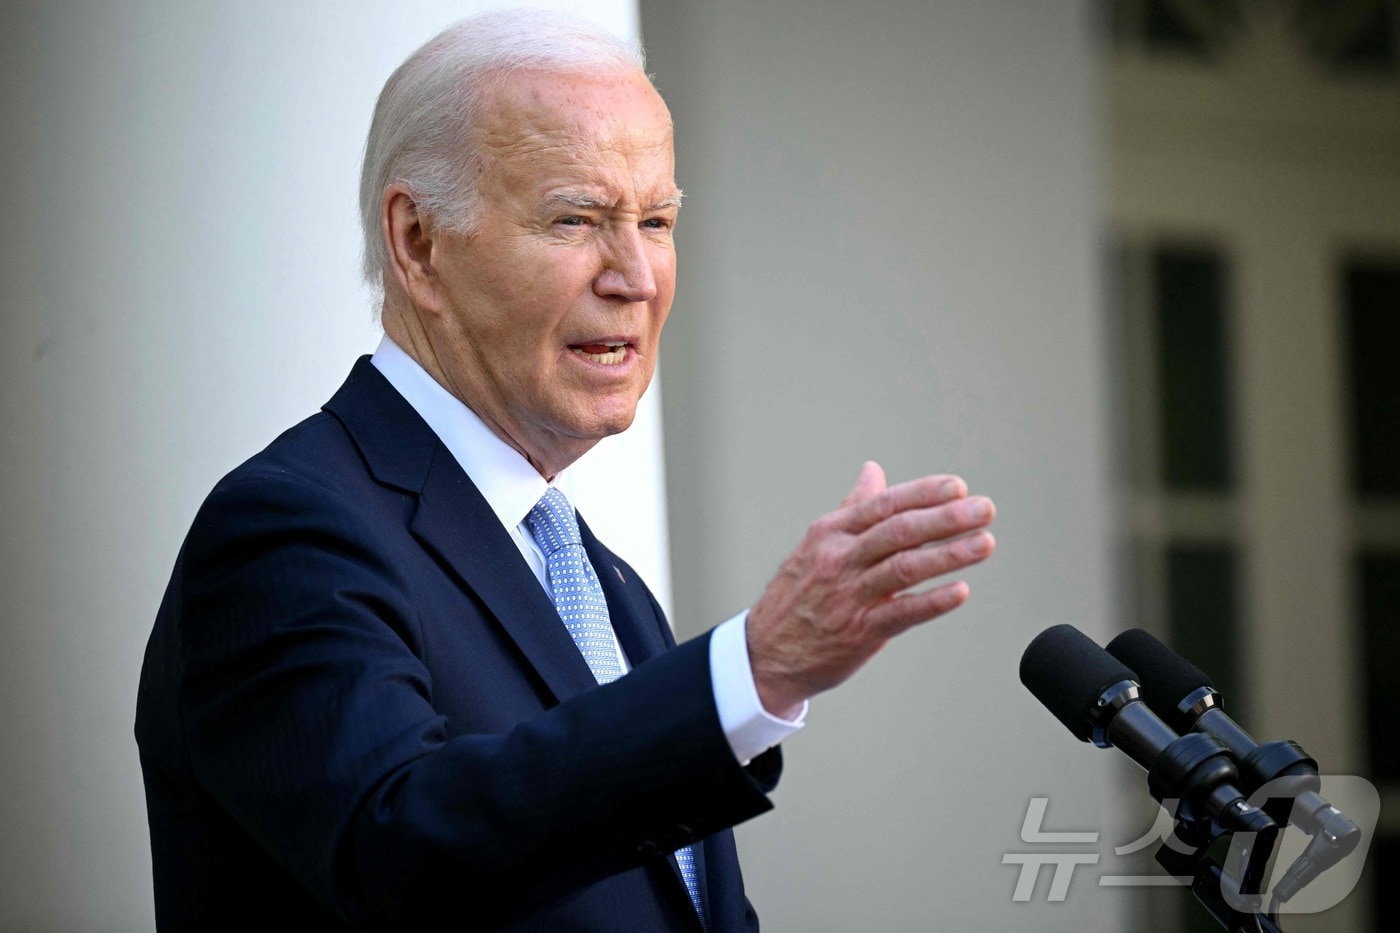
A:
x,y
611,358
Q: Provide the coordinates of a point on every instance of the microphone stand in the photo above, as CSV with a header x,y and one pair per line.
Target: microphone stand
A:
x,y
1293,775
1198,767
1208,876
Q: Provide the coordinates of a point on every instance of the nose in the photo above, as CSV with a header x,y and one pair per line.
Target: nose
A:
x,y
627,272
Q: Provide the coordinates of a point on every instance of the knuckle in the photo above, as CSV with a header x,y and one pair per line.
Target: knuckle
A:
x,y
958,554
944,521
901,613
905,528
881,507
853,632
830,563
953,553
967,549
906,568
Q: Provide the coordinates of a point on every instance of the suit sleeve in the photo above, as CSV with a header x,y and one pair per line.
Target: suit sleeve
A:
x,y
308,716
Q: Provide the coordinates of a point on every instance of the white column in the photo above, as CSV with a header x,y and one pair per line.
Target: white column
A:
x,y
180,284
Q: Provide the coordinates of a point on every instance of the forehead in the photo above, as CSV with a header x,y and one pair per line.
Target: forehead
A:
x,y
605,129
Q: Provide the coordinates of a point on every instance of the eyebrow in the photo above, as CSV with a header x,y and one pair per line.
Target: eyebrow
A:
x,y
673,201
589,202
586,202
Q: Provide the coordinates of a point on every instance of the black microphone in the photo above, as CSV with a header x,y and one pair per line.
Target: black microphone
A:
x,y
1098,699
1182,694
1186,698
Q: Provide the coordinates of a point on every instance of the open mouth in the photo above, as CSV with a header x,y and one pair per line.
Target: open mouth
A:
x,y
608,353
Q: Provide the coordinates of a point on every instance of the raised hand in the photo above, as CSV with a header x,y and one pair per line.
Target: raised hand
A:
x,y
838,598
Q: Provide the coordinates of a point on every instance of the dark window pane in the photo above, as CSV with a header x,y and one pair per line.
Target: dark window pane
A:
x,y
1202,628
1380,629
1199,29
1195,428
1372,45
1165,28
1201,617
1373,336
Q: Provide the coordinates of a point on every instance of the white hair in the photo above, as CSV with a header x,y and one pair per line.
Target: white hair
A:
x,y
422,132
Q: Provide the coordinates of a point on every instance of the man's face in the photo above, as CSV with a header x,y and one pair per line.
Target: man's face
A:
x,y
555,304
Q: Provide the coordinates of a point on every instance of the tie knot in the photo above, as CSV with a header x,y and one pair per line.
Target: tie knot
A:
x,y
552,522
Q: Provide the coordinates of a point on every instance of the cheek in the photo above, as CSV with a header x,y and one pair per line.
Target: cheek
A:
x,y
507,289
659,317
666,284
506,272
515,307
665,274
663,264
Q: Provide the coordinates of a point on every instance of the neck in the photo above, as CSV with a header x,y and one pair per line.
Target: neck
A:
x,y
406,329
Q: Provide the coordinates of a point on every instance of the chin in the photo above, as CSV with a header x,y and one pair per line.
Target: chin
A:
x,y
614,426
607,420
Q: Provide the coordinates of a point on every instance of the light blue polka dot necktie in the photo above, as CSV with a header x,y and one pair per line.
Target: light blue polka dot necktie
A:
x,y
579,599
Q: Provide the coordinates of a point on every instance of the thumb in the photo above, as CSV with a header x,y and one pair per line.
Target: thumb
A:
x,y
871,482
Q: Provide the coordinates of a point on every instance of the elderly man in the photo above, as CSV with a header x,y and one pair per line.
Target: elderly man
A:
x,y
395,680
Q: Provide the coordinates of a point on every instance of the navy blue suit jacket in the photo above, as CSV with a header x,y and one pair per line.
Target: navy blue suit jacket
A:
x,y
359,709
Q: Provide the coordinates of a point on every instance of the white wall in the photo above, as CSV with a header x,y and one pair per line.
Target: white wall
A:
x,y
179,285
889,250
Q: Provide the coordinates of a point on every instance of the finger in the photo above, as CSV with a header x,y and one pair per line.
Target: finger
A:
x,y
916,494
917,527
902,613
870,482
909,568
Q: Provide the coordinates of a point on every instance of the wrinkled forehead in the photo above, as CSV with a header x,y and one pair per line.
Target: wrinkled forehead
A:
x,y
618,109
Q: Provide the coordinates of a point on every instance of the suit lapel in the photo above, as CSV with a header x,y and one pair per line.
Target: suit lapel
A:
x,y
456,524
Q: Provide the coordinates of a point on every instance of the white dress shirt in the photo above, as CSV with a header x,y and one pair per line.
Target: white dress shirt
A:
x,y
511,487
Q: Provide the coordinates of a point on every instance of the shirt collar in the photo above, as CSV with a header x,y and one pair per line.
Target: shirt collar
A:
x,y
507,481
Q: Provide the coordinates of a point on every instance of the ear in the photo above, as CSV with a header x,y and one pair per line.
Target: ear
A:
x,y
410,243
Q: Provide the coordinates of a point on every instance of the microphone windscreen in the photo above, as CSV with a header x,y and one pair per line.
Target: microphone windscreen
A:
x,y
1166,677
1065,670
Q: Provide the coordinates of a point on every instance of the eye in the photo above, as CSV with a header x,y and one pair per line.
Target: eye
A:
x,y
573,220
656,223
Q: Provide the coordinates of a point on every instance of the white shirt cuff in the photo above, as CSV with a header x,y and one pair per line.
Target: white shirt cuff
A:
x,y
750,729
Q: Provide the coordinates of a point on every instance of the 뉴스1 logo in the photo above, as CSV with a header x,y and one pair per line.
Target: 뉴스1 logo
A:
x,y
1303,869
